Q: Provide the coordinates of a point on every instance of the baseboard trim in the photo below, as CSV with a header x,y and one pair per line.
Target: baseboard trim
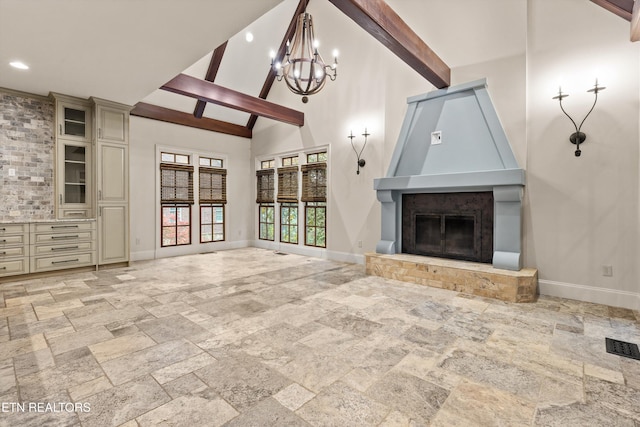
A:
x,y
612,297
310,252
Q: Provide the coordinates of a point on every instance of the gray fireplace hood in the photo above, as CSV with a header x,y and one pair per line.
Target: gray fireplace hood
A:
x,y
452,141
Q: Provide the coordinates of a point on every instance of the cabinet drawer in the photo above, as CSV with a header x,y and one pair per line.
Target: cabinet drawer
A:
x,y
63,226
74,213
70,236
13,229
62,262
62,248
19,239
11,252
16,266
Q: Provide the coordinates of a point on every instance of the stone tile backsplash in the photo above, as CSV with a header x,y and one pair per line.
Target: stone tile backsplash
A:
x,y
26,158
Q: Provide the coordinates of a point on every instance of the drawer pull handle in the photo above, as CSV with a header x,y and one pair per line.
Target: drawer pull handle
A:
x,y
3,241
64,226
75,213
3,229
62,262
3,268
65,248
64,237
3,253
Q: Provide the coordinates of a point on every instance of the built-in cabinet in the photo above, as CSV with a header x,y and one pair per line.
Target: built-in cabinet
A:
x,y
112,160
61,245
39,247
92,170
14,249
74,158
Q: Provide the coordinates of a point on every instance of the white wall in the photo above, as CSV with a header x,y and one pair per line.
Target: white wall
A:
x,y
583,211
145,135
579,213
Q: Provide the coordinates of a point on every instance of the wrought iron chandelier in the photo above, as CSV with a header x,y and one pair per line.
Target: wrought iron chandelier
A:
x,y
303,69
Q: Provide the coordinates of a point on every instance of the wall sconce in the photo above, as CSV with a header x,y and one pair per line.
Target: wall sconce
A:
x,y
361,162
578,137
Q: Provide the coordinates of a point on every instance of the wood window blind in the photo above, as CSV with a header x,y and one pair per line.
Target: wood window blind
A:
x,y
314,182
266,187
176,183
213,185
288,184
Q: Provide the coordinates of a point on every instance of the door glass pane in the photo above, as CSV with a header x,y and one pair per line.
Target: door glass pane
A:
x,y
74,193
74,154
74,122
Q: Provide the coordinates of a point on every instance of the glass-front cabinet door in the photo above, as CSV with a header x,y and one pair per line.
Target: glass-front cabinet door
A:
x,y
74,118
74,179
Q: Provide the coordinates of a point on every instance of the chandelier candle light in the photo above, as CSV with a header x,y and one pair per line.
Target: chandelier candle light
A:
x,y
303,69
578,137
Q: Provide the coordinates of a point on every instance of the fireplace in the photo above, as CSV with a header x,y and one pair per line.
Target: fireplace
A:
x,y
451,147
449,225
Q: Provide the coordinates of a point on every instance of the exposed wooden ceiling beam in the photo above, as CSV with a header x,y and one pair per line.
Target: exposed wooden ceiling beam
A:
x,y
635,22
622,8
379,20
192,87
271,77
212,71
185,119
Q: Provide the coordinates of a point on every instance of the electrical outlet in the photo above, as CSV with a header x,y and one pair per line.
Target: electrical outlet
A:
x,y
607,270
359,243
137,241
12,172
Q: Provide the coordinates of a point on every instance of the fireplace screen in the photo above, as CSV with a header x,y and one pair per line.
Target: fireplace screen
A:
x,y
456,225
446,235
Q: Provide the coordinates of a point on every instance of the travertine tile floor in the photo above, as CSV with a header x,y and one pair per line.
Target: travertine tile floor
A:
x,y
252,338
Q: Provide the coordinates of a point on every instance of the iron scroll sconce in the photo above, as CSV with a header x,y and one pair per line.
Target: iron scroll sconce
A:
x,y
361,161
578,137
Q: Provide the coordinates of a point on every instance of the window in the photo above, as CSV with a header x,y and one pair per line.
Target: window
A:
x,y
314,182
288,197
268,164
316,224
176,198
317,157
314,194
290,161
265,199
182,159
176,224
267,222
211,223
210,162
289,223
212,196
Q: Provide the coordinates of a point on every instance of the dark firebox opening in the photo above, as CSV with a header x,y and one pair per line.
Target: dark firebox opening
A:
x,y
449,225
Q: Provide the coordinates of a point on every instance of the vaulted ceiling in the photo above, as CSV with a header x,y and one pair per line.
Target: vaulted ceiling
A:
x,y
210,82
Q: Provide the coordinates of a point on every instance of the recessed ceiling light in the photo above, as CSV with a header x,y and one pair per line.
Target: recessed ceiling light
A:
x,y
19,65
249,37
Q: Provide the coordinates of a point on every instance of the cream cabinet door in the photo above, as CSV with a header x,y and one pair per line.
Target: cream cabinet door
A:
x,y
113,173
73,179
113,228
112,124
